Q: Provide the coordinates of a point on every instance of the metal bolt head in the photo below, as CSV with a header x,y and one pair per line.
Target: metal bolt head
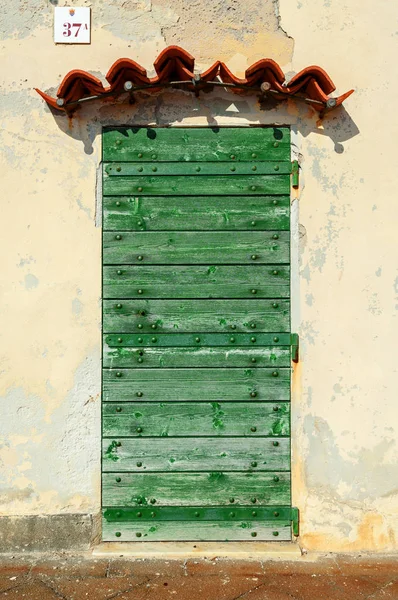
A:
x,y
139,514
253,429
153,514
254,256
197,339
254,155
197,513
331,102
118,409
232,500
140,155
254,359
139,189
253,188
254,513
275,533
60,101
276,339
276,168
118,169
276,478
140,169
253,325
276,514
275,305
233,169
118,374
253,291
253,223
119,305
276,144
276,443
117,203
254,168
118,142
231,339
118,514
140,394
253,500
138,534
140,223
233,326
118,479
140,326
154,339
275,272
118,237
233,156
142,313
154,156
128,85
139,292
275,408
253,463
152,501
154,169
139,464
118,444
140,360
275,236
253,394
120,340
231,514
140,340
253,339
140,257
197,169
153,326
275,374
275,202
253,534
119,272
118,534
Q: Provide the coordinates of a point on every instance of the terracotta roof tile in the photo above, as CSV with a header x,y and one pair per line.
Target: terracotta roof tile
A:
x,y
174,64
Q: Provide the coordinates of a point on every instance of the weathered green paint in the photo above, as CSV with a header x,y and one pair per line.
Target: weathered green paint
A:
x,y
196,489
183,144
197,347
199,281
189,385
179,316
191,185
192,247
173,340
295,174
222,531
149,358
197,213
275,514
232,169
199,419
198,454
295,347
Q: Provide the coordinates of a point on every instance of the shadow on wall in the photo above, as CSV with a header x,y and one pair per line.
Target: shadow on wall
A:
x,y
171,107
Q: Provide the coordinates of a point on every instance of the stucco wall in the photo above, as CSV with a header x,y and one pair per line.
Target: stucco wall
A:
x,y
345,414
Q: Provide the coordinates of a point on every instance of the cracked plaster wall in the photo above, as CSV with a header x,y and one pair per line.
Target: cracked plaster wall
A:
x,y
345,286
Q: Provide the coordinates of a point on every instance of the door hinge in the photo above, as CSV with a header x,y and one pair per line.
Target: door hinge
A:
x,y
294,343
295,174
294,515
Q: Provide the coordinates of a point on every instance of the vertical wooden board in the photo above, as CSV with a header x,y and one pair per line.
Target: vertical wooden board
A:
x,y
177,419
179,316
195,454
195,489
196,213
222,531
151,144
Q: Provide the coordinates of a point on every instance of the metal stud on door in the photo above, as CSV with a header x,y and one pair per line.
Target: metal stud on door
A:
x,y
197,345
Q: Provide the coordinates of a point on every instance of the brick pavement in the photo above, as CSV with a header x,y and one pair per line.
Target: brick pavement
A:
x,y
70,577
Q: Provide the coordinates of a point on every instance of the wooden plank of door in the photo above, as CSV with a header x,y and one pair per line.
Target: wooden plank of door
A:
x,y
195,489
158,385
179,419
198,169
165,454
196,281
225,316
179,248
196,144
204,356
197,213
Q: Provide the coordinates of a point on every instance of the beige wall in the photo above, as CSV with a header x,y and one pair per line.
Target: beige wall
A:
x,y
345,409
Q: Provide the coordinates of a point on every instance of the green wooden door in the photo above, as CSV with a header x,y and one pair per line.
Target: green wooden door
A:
x,y
196,323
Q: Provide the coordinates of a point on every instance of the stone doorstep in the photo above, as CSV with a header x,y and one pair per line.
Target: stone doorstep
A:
x,y
209,550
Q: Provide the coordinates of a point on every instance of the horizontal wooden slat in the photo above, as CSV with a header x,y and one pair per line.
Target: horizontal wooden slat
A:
x,y
179,316
197,213
223,531
274,514
179,419
179,248
195,454
151,385
230,168
190,185
195,357
201,489
164,340
214,281
197,144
